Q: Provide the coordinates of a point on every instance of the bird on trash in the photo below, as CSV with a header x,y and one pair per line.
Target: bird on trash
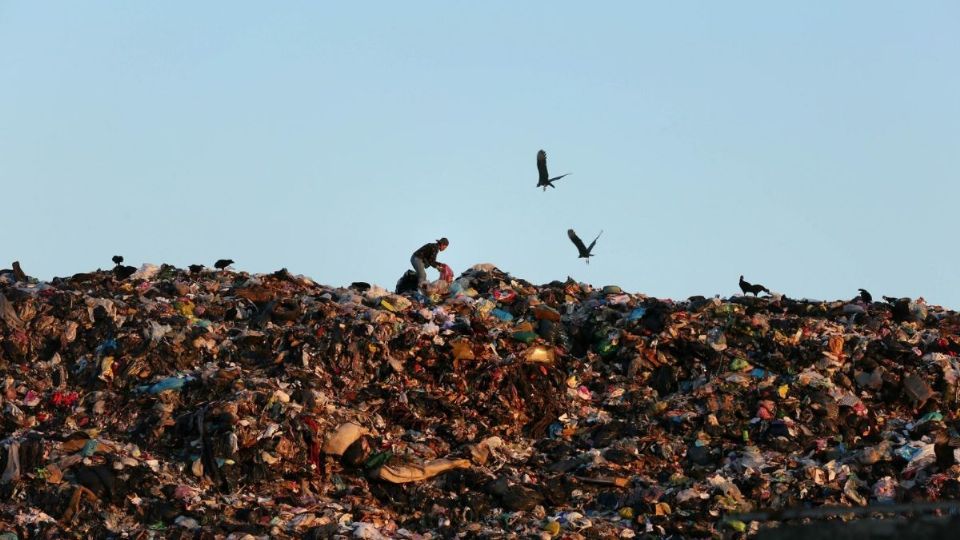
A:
x,y
748,287
584,251
117,259
195,268
865,296
545,179
222,263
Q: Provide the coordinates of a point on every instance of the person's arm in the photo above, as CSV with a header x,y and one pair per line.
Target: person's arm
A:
x,y
430,258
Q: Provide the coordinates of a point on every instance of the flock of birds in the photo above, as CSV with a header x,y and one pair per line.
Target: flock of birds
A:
x,y
544,180
746,287
122,272
584,251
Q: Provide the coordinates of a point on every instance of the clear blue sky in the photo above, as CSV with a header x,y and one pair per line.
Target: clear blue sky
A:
x,y
814,147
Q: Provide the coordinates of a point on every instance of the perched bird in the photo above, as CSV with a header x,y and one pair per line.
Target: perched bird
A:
x,y
584,251
865,296
122,272
545,179
222,263
195,268
117,259
748,287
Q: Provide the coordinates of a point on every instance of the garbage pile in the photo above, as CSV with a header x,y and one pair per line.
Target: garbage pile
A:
x,y
217,404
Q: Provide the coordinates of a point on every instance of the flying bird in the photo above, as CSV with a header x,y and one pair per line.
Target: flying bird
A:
x,y
117,259
748,287
545,179
865,296
584,251
222,263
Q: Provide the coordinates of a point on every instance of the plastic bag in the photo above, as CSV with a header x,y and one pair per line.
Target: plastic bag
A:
x,y
446,273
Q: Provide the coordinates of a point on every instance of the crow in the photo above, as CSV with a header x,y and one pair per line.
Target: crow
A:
x,y
195,268
117,259
545,179
748,287
222,263
584,251
865,296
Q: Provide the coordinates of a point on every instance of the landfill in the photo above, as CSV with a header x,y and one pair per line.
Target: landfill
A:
x,y
224,405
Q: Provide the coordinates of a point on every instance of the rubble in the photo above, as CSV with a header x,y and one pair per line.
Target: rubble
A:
x,y
218,404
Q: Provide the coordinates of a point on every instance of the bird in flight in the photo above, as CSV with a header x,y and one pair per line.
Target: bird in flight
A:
x,y
222,263
545,179
748,287
584,251
865,296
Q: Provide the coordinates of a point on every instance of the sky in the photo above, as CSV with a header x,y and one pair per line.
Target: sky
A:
x,y
813,147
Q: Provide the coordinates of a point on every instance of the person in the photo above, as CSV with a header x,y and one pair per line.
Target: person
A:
x,y
427,256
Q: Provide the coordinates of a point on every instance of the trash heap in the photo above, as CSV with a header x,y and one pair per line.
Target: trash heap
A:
x,y
177,404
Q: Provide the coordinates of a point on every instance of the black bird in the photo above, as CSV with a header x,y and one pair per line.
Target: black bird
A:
x,y
117,259
122,272
584,251
222,263
545,179
748,287
195,268
865,296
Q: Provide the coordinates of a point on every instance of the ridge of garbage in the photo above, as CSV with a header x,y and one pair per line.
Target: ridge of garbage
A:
x,y
219,404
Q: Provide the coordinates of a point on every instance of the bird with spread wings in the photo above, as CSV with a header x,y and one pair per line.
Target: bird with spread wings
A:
x,y
584,251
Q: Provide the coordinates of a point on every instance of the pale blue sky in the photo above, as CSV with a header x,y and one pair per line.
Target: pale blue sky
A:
x,y
813,146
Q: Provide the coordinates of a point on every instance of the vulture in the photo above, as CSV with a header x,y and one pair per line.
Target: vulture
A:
x,y
584,251
544,179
